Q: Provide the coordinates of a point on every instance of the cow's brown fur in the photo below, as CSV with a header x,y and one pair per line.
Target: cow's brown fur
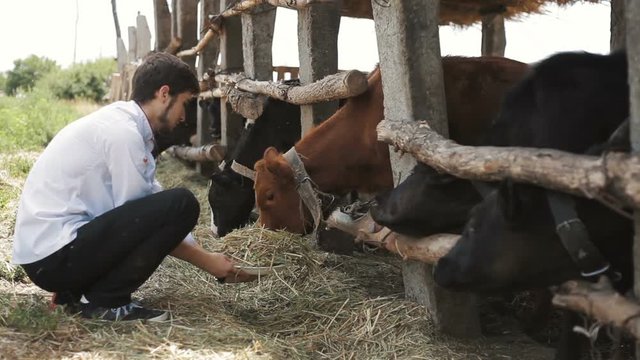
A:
x,y
343,154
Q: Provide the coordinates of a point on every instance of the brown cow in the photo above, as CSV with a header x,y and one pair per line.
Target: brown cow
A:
x,y
343,154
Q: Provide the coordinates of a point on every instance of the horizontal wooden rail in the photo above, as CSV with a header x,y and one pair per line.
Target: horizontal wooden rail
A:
x,y
613,178
216,21
200,153
428,249
333,87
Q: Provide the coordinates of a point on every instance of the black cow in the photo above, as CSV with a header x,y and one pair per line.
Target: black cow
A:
x,y
426,203
231,195
570,102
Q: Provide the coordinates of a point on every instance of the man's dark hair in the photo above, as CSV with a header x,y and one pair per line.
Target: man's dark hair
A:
x,y
158,69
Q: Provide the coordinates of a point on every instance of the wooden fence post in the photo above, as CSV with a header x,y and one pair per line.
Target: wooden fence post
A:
x,y
257,40
632,22
318,27
412,80
231,61
187,21
143,37
617,40
162,17
494,39
133,38
208,58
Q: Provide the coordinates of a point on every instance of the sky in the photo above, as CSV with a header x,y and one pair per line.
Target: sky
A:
x,y
49,30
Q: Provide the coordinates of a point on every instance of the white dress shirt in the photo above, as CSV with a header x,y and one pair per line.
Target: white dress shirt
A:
x,y
91,166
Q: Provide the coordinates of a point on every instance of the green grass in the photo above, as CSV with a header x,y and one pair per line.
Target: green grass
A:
x,y
29,123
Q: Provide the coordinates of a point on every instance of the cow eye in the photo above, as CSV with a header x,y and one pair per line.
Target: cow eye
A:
x,y
270,196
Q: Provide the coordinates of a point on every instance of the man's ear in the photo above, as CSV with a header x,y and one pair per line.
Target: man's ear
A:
x,y
163,93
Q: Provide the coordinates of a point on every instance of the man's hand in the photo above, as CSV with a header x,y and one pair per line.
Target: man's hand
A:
x,y
215,264
225,271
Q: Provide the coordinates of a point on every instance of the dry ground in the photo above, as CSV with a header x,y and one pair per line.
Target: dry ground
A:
x,y
320,306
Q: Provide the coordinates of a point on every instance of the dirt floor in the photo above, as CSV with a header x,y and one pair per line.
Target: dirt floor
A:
x,y
320,306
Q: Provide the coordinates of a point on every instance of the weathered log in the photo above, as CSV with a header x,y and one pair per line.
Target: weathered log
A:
x,y
216,21
333,87
210,34
209,94
250,106
200,153
428,249
612,178
174,45
601,302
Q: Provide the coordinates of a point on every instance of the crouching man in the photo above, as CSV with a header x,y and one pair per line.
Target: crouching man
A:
x,y
93,224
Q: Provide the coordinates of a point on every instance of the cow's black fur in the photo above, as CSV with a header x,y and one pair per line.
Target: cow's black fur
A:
x,y
231,196
571,102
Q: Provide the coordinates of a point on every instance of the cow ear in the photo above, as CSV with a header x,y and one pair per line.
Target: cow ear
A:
x,y
271,160
509,200
271,153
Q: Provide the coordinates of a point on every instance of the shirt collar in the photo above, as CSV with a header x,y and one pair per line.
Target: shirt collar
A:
x,y
142,122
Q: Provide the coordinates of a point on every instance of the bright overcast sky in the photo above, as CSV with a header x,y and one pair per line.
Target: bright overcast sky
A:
x,y
47,28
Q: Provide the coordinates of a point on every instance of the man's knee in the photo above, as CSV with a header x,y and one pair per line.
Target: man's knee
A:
x,y
185,202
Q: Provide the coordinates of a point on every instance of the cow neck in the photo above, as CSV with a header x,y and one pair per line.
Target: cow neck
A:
x,y
240,167
306,188
335,154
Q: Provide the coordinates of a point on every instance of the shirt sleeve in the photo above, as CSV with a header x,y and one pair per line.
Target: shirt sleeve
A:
x,y
189,239
131,168
156,186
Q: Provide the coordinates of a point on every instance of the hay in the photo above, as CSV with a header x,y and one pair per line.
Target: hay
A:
x,y
319,306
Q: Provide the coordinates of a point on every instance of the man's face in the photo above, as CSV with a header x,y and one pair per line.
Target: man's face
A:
x,y
174,112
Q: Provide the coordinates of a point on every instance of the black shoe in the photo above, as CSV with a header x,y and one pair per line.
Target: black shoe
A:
x,y
66,299
131,311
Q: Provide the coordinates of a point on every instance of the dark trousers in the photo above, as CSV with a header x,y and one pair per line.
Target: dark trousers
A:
x,y
115,253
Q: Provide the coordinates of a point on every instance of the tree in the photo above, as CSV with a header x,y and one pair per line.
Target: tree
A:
x,y
26,72
3,81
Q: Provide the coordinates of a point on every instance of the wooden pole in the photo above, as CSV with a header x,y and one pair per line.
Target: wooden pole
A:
x,y
162,17
207,59
412,81
615,177
617,40
332,87
427,250
600,301
632,24
318,27
143,37
187,21
204,153
231,60
494,39
245,7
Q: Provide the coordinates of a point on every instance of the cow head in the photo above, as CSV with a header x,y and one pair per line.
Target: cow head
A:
x,y
510,242
426,203
279,204
231,198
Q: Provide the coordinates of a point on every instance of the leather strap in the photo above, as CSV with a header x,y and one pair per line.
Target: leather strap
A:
x,y
574,236
243,170
305,187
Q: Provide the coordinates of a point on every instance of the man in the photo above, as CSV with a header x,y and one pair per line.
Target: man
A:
x,y
93,223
